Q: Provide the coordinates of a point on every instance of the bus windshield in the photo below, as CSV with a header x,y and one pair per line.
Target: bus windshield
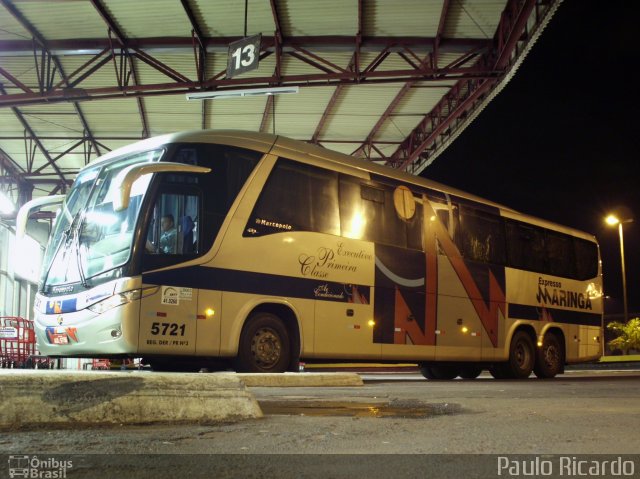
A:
x,y
90,237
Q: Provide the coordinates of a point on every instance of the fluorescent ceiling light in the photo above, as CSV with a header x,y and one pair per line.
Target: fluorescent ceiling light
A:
x,y
209,95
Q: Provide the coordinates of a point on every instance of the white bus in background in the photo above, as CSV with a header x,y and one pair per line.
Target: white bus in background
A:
x,y
263,251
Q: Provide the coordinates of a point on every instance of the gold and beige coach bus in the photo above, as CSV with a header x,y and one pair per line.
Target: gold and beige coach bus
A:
x,y
264,251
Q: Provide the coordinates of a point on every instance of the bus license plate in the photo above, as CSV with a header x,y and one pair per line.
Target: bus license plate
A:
x,y
60,339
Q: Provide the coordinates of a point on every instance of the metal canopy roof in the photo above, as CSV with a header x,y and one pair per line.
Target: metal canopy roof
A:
x,y
393,81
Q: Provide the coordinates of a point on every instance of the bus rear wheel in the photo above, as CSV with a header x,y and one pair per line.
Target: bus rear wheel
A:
x,y
499,371
174,365
522,357
549,357
264,345
443,372
470,372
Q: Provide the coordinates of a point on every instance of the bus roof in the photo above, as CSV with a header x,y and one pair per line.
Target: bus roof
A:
x,y
280,145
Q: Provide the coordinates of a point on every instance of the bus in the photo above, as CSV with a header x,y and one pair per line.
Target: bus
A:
x,y
262,251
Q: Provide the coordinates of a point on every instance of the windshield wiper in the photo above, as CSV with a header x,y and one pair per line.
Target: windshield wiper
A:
x,y
76,244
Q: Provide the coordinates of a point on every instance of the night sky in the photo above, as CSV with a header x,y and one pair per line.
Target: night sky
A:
x,y
562,140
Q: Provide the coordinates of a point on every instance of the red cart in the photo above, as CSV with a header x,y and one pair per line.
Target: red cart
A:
x,y
18,344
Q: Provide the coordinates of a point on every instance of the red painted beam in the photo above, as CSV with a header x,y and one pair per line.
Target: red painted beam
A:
x,y
80,46
304,80
509,32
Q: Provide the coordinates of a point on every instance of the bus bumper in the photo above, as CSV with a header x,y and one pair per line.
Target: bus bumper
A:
x,y
85,333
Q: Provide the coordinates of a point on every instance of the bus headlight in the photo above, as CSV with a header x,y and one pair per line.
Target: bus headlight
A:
x,y
115,301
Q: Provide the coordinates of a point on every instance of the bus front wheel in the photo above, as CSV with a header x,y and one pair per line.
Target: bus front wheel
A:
x,y
264,345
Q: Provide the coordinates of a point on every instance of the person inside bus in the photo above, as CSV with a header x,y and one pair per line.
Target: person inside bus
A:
x,y
168,237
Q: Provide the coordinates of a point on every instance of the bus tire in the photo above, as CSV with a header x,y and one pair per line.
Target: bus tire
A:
x,y
522,356
173,365
499,371
264,345
549,357
425,370
470,372
442,372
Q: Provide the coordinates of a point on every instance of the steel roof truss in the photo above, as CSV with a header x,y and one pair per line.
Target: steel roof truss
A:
x,y
60,155
199,48
127,69
15,81
32,134
46,78
44,71
72,81
417,150
329,73
268,109
438,39
390,108
332,101
30,149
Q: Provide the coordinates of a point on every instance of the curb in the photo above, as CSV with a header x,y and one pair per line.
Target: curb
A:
x,y
608,365
38,398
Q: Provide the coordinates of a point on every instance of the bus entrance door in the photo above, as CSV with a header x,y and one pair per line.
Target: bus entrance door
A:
x,y
459,329
344,330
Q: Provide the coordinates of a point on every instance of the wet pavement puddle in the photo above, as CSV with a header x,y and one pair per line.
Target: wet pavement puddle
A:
x,y
386,409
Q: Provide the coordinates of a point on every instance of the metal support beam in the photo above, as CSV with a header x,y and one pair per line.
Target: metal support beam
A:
x,y
37,36
296,47
199,49
368,141
113,27
436,42
480,70
268,111
332,102
35,138
370,75
466,98
328,43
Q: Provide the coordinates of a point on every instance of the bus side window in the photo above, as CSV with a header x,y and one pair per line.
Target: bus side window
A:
x,y
231,167
368,212
447,215
415,228
560,254
296,197
525,247
482,236
586,259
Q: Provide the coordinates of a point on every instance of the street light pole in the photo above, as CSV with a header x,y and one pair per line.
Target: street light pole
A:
x,y
624,275
614,220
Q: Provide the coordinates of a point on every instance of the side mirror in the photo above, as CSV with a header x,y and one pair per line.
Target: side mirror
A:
x,y
130,174
25,211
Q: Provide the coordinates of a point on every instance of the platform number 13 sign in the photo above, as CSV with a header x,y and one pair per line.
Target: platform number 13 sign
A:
x,y
244,55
